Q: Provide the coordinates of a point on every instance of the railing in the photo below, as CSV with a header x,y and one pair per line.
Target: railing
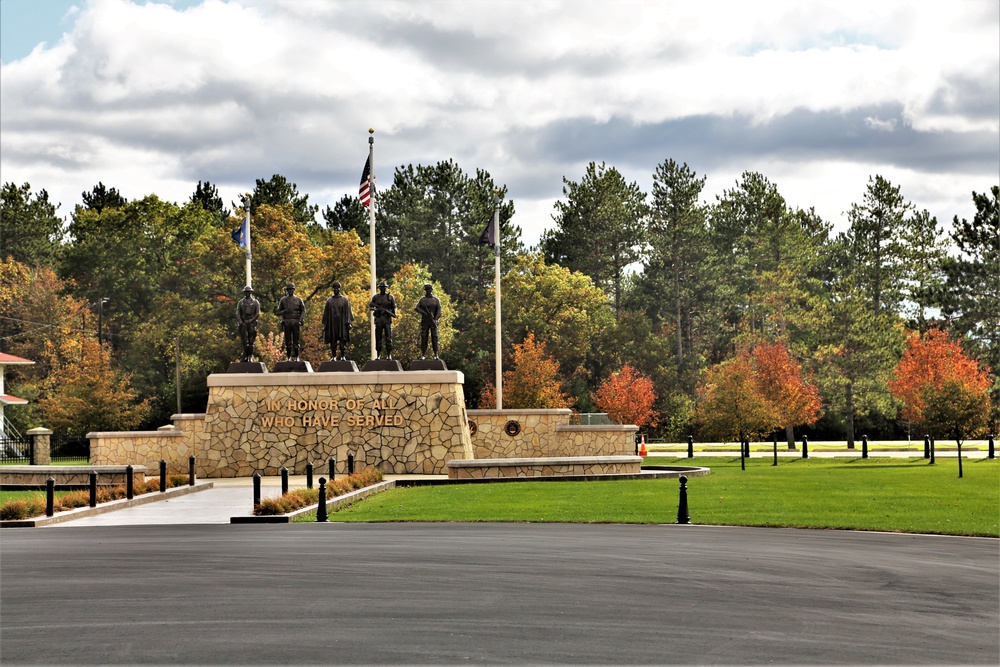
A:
x,y
70,449
590,419
15,451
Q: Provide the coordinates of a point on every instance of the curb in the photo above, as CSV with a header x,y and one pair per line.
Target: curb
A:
x,y
332,504
112,506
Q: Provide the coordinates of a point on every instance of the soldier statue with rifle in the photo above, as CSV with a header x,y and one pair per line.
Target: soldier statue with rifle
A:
x,y
429,308
383,305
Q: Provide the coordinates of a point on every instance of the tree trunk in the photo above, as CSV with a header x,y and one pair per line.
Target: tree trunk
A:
x,y
790,436
849,409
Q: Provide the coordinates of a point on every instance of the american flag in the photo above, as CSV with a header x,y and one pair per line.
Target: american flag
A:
x,y
367,188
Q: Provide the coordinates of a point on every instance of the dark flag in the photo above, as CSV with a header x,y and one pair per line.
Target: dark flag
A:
x,y
240,234
367,187
489,235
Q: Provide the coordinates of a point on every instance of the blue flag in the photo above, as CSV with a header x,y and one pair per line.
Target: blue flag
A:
x,y
241,233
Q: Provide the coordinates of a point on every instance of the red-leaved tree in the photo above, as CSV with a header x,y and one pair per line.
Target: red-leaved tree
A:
x,y
532,384
942,390
628,397
795,400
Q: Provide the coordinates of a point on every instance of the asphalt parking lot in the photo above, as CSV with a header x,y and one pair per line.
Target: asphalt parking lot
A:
x,y
494,593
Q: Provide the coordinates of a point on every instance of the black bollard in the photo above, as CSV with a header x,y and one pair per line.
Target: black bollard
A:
x,y
284,481
959,457
163,476
690,446
333,468
93,489
683,516
50,496
927,446
309,475
775,449
129,483
992,453
350,464
864,446
256,489
805,446
743,456
321,508
932,451
191,472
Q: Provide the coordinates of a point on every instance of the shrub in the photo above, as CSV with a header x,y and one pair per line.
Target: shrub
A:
x,y
13,510
24,509
299,498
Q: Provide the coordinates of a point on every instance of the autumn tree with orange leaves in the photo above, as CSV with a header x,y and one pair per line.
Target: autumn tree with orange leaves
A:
x,y
628,397
942,390
795,400
532,384
732,407
757,392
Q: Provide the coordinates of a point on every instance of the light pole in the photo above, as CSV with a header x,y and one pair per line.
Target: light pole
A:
x,y
100,320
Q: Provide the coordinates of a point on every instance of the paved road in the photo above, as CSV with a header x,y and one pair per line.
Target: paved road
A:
x,y
494,593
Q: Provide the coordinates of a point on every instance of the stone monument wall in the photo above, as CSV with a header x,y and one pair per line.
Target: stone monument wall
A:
x,y
399,422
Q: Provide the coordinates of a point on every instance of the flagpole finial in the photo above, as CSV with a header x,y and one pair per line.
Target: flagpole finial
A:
x,y
371,130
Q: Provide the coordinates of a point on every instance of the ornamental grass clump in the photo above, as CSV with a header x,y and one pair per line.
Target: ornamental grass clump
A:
x,y
25,508
299,498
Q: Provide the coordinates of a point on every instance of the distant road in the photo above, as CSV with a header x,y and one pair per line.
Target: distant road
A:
x,y
494,593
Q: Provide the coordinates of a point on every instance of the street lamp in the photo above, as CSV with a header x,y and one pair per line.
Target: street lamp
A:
x,y
100,320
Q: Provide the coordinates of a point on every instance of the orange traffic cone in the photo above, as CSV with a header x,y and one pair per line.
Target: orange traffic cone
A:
x,y
642,446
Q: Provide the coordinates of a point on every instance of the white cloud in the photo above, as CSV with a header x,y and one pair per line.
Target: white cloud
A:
x,y
151,99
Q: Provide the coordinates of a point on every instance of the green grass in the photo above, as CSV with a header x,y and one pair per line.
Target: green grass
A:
x,y
905,495
24,495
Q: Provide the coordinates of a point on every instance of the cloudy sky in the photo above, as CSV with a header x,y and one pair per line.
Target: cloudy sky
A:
x,y
150,97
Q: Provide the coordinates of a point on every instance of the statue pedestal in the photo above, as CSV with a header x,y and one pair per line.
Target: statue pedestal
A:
x,y
382,365
337,366
399,422
292,367
428,365
247,367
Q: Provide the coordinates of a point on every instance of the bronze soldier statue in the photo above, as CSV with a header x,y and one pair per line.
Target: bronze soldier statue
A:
x,y
247,314
383,305
337,322
292,311
429,308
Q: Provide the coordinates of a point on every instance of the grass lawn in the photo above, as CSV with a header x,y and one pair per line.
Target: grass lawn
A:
x,y
24,495
876,494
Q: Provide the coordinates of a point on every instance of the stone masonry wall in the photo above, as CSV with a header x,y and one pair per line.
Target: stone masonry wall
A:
x,y
399,422
544,433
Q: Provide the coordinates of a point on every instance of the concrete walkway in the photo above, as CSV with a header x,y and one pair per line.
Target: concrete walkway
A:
x,y
228,498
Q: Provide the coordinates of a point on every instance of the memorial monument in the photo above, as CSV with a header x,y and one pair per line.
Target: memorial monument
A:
x,y
338,319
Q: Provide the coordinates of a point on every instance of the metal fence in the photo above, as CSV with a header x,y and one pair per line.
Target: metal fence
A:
x,y
590,418
15,450
68,449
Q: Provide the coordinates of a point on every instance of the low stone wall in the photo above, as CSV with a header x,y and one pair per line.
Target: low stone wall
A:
x,y
146,448
505,434
37,476
597,440
545,467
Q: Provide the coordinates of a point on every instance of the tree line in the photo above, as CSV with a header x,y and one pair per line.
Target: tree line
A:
x,y
702,308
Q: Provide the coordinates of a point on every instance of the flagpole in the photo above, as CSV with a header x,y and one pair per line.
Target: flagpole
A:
x,y
371,228
247,223
499,345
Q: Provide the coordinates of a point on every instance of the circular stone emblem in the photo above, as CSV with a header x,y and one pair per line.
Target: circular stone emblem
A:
x,y
512,428
473,427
